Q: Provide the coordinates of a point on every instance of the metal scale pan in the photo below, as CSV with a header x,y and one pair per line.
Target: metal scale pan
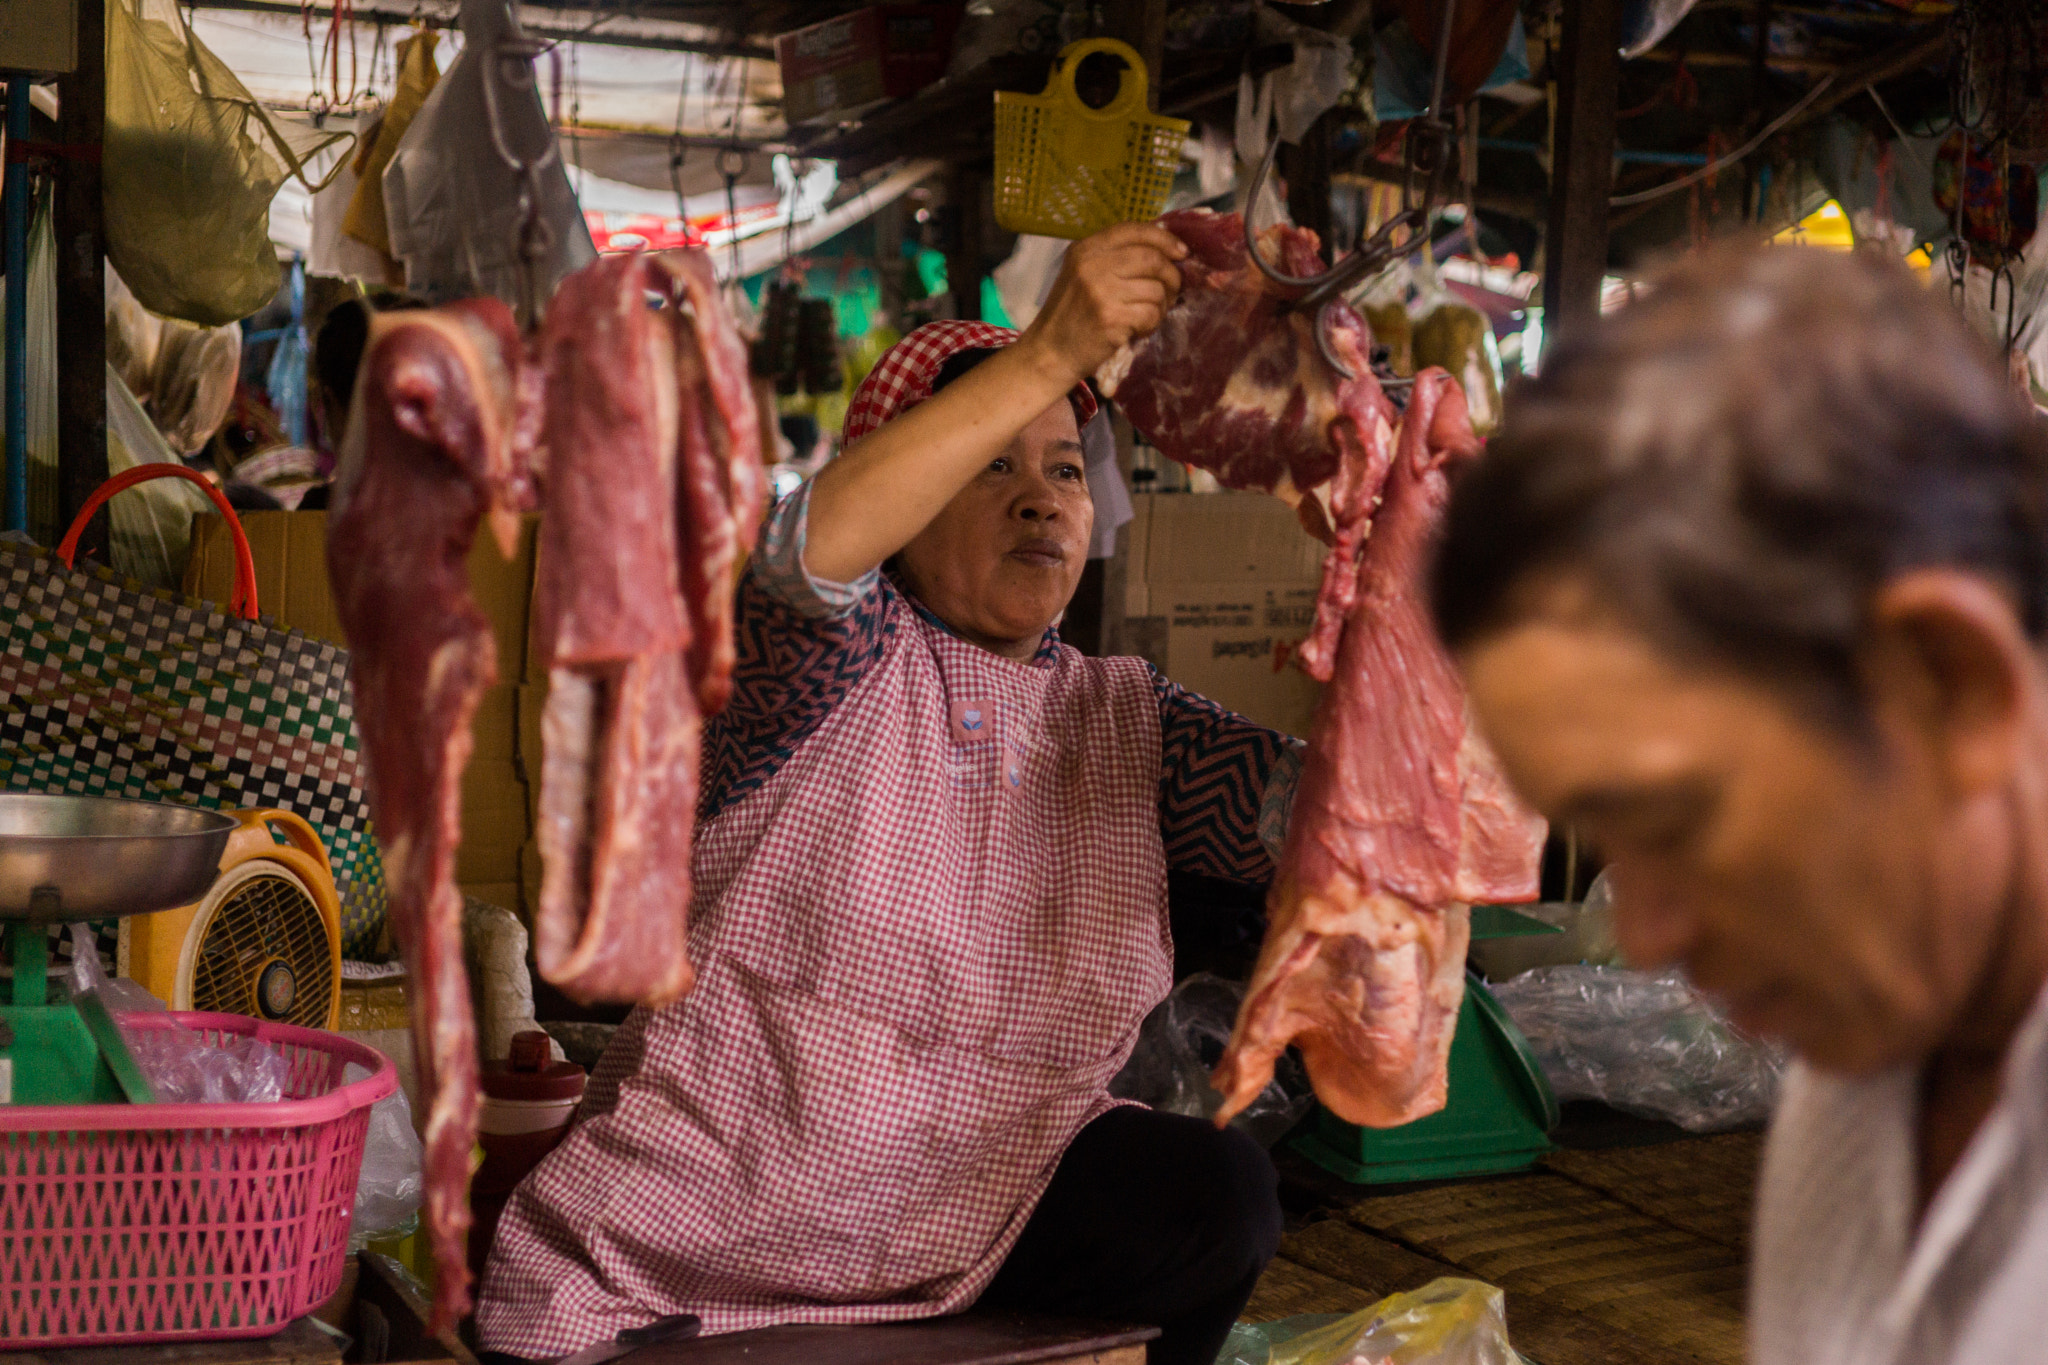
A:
x,y
65,858
70,858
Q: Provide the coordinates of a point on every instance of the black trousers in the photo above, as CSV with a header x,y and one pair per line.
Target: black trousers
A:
x,y
1153,1218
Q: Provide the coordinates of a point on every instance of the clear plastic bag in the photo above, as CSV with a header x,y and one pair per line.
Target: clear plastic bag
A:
x,y
1645,1042
182,1066
149,527
1645,22
192,162
389,1189
1446,1322
454,204
1179,1045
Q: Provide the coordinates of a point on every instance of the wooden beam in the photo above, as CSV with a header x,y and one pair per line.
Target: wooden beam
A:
x,y
1369,173
1582,164
1306,167
1142,24
965,189
596,28
81,288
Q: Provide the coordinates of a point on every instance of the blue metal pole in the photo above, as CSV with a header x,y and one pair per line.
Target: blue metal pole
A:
x,y
16,229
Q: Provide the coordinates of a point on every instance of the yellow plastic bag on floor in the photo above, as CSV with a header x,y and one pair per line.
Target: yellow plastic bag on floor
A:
x,y
1446,1322
191,163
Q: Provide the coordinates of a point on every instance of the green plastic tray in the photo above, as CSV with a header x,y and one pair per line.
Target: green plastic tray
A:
x,y
1498,1117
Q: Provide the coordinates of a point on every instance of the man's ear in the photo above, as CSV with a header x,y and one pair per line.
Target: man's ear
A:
x,y
1947,652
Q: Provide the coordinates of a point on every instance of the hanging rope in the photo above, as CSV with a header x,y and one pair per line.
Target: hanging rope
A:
x,y
731,162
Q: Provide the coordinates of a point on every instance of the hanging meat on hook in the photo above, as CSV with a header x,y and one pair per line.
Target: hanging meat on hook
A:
x,y
651,492
1401,821
1233,380
431,453
630,422
1402,818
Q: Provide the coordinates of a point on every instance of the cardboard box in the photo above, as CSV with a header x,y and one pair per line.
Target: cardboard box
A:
x,y
493,822
533,700
290,553
1221,591
844,66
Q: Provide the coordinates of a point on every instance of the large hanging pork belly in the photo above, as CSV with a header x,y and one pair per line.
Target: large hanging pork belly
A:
x,y
651,486
630,421
432,451
1402,818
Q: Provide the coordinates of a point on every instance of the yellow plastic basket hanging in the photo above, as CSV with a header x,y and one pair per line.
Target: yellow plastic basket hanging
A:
x,y
1066,170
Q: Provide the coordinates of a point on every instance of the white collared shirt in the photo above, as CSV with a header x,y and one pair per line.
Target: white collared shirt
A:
x,y
1841,1275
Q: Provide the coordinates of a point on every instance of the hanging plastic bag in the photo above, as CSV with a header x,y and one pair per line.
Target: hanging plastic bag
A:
x,y
182,374
1384,304
191,164
330,251
1644,1042
1446,1322
182,1064
1645,22
1453,335
1179,1045
149,527
42,374
388,1190
456,205
286,378
134,335
418,74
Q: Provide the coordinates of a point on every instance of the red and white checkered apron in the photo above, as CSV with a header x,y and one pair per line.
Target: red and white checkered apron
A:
x,y
924,947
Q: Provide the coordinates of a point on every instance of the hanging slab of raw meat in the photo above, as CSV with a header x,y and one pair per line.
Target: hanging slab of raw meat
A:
x,y
1402,819
652,490
725,486
430,454
1232,380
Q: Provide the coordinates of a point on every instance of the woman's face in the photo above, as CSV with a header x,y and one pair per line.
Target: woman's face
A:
x,y
999,564
1835,892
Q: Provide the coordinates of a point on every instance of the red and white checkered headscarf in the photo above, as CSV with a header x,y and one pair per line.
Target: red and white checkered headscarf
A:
x,y
903,377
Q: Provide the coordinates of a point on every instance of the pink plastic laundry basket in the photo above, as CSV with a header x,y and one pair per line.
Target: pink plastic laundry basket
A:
x,y
135,1223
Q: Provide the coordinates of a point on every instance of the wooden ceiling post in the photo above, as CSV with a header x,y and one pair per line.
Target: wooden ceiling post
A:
x,y
1581,163
81,236
966,187
1306,167
1142,24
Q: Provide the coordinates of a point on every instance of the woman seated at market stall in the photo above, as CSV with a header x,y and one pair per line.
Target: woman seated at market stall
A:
x,y
1752,589
930,909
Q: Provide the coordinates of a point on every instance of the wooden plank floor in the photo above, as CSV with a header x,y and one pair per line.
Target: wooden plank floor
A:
x,y
1630,1256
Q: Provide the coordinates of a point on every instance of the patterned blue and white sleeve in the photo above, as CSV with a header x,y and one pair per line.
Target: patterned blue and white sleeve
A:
x,y
1225,786
778,564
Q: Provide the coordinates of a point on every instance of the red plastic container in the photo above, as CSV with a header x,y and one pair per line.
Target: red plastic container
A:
x,y
137,1223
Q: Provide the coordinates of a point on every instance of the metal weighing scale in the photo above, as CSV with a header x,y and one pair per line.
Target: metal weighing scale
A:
x,y
1500,1109
70,858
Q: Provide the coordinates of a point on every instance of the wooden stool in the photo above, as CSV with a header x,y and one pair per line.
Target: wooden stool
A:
x,y
970,1339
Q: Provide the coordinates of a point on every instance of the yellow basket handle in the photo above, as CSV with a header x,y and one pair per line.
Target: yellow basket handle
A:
x,y
1130,94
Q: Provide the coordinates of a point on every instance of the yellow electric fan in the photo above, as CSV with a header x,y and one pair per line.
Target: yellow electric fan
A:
x,y
265,941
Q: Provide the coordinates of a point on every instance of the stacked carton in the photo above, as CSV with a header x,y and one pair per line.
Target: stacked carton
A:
x,y
290,551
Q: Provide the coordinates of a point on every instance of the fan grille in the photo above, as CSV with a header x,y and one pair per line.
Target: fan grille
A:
x,y
268,919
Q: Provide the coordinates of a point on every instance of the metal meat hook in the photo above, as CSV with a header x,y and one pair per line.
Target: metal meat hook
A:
x,y
512,65
1427,146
